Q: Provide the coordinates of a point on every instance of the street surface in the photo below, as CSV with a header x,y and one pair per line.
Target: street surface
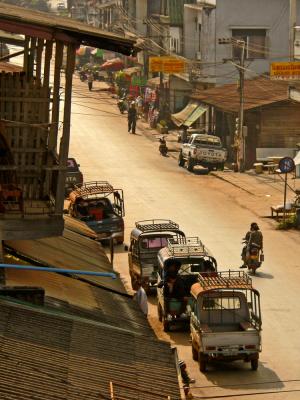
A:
x,y
155,187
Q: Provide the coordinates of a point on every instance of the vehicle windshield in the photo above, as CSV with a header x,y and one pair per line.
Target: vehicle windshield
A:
x,y
196,266
207,141
153,243
72,165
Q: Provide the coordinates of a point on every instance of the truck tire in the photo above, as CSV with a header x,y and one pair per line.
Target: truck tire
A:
x,y
159,312
202,362
195,353
190,164
221,167
166,325
254,364
181,160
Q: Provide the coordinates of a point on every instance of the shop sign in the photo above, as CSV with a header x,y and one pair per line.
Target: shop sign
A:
x,y
285,70
168,65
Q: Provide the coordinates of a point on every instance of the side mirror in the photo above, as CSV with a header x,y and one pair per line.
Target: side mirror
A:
x,y
126,248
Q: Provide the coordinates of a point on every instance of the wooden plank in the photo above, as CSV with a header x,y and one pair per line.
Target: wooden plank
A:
x,y
26,51
32,51
47,62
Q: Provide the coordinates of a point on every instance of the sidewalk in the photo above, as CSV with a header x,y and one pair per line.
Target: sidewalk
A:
x,y
263,191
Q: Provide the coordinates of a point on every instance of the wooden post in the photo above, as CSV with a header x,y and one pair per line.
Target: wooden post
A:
x,y
59,48
26,51
32,51
111,388
39,54
284,198
65,139
47,61
2,270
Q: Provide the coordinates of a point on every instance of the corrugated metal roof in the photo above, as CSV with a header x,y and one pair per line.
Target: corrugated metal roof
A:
x,y
189,114
47,356
70,251
81,299
48,26
258,92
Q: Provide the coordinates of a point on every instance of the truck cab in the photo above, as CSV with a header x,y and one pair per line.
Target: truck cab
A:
x,y
146,239
101,207
190,258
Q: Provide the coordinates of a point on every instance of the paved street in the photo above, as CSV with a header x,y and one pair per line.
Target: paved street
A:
x,y
155,187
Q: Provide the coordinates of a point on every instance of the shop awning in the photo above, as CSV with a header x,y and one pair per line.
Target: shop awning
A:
x,y
189,114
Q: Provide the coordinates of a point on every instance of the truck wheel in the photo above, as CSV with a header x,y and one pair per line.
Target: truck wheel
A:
x,y
181,160
221,167
195,353
159,312
166,325
190,164
254,364
202,362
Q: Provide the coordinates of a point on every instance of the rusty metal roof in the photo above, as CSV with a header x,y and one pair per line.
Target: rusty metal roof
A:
x,y
258,93
48,355
71,250
49,26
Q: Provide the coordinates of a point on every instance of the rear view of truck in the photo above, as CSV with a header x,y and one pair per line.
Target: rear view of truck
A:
x,y
226,319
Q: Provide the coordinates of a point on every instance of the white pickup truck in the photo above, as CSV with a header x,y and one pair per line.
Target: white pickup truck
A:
x,y
204,150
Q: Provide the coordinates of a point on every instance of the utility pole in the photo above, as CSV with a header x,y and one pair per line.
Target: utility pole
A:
x,y
292,24
240,134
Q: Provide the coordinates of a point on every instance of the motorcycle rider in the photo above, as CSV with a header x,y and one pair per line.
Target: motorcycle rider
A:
x,y
132,116
253,236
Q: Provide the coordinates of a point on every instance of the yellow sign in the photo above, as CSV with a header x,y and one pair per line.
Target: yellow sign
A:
x,y
285,70
169,65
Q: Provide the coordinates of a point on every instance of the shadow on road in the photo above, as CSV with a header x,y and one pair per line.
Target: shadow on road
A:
x,y
220,375
263,275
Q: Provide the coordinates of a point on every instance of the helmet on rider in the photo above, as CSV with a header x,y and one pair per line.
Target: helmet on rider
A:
x,y
254,226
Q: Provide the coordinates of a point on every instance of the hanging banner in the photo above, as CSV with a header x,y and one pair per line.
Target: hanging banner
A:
x,y
168,65
285,70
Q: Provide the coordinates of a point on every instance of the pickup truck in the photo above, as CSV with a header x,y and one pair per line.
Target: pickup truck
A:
x,y
225,319
73,176
205,150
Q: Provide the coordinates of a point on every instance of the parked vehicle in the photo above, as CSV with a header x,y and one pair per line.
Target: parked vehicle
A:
x,y
253,257
83,76
204,150
74,176
163,149
122,105
146,239
101,207
226,319
191,258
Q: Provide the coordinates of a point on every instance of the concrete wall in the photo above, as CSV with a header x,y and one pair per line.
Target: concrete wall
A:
x,y
272,15
191,32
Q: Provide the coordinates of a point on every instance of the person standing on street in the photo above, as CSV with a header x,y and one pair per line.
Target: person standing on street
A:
x,y
132,116
141,298
90,81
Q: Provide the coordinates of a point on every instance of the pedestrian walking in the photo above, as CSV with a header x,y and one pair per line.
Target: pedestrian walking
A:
x,y
132,116
90,81
141,298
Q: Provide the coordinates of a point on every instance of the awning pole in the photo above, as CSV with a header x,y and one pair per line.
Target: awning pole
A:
x,y
59,270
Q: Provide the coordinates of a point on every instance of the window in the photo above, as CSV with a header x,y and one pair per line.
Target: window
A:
x,y
154,243
207,141
255,42
221,303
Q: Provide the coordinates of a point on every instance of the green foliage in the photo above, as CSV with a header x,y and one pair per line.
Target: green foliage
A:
x,y
289,223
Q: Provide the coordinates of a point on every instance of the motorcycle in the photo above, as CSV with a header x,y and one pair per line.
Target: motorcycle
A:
x,y
122,105
253,257
163,149
82,76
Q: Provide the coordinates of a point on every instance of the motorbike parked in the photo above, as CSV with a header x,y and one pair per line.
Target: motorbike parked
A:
x,y
163,149
122,105
252,256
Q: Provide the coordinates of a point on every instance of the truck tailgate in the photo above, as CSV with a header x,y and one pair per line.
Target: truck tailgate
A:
x,y
237,341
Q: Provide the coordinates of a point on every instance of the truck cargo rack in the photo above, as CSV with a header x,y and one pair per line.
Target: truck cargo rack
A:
x,y
93,188
187,246
154,225
226,279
